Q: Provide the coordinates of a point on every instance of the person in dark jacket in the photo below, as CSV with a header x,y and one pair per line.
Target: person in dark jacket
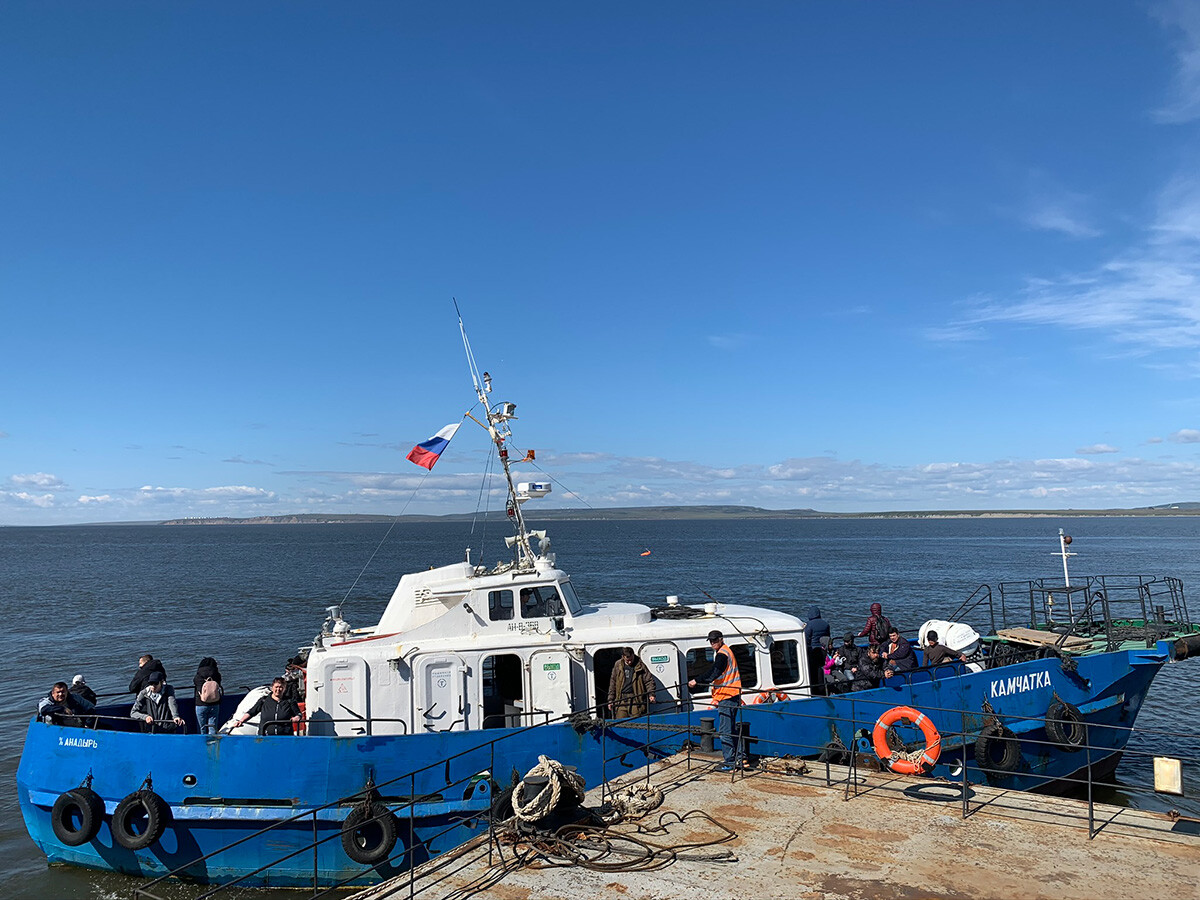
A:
x,y
80,687
208,712
845,658
815,626
276,713
868,671
877,627
61,707
141,678
899,654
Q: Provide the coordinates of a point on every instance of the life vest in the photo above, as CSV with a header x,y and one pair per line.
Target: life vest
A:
x,y
729,684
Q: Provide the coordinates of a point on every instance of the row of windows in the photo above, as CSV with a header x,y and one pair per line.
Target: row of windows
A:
x,y
537,602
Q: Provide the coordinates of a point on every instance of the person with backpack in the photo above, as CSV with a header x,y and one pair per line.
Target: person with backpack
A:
x,y
208,695
877,628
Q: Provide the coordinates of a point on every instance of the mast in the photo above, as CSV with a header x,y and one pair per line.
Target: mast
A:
x,y
497,426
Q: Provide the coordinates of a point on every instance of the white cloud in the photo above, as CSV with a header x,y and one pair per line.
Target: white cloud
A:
x,y
38,479
1185,436
1182,16
1146,298
1097,448
44,501
99,498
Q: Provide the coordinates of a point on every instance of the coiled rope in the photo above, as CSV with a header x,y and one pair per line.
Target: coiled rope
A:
x,y
560,780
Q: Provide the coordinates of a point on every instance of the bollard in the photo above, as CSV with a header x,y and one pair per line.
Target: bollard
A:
x,y
708,728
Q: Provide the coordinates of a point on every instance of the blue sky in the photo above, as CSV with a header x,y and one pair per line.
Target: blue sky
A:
x,y
846,256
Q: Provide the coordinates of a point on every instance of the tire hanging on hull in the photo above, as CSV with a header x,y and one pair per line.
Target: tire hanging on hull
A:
x,y
1065,726
369,834
991,739
143,804
81,805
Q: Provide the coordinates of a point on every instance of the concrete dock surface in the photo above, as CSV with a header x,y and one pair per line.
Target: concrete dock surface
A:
x,y
769,834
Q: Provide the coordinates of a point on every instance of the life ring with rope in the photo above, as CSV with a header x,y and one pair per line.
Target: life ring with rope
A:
x,y
770,697
898,760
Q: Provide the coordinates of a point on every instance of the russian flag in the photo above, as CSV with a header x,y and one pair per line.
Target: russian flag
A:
x,y
427,452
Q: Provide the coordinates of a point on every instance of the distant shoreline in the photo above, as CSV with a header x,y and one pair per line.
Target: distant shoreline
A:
x,y
659,513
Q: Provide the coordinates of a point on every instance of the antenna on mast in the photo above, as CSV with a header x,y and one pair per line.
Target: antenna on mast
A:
x,y
500,432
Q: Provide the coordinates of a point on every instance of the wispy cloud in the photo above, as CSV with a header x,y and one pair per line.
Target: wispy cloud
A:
x,y
730,341
1097,448
1146,298
38,479
1182,18
1052,207
247,462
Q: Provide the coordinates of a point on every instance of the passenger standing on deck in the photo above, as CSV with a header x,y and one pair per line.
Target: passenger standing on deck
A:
x,y
877,627
726,683
208,696
146,665
277,714
629,687
155,706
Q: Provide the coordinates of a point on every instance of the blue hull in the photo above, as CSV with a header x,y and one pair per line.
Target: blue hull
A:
x,y
223,789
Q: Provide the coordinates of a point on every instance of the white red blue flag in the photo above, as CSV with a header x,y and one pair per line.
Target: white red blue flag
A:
x,y
427,452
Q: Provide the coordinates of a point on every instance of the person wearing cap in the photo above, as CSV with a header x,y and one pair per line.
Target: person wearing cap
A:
x,y
80,688
155,706
146,665
726,684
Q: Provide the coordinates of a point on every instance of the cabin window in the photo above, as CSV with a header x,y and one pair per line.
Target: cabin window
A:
x,y
540,602
500,605
700,660
747,661
603,661
503,689
569,595
785,663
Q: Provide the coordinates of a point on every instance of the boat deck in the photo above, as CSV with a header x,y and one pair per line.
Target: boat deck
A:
x,y
799,836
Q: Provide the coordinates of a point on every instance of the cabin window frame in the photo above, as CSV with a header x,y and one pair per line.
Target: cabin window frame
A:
x,y
496,606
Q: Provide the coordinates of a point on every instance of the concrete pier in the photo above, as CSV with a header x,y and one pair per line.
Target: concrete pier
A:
x,y
796,836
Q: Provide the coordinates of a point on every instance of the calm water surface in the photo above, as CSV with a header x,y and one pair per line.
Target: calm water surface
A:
x,y
90,600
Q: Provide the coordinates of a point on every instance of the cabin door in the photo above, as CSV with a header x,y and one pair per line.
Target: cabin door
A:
x,y
440,686
549,685
663,661
344,697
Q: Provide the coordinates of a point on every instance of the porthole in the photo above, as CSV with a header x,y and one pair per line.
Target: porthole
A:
x,y
189,780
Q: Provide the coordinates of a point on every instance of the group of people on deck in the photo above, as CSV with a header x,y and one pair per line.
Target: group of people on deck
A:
x,y
854,668
156,709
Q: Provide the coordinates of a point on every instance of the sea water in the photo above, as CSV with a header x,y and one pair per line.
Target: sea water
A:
x,y
90,599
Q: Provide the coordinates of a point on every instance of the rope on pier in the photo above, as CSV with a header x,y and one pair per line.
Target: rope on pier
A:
x,y
558,778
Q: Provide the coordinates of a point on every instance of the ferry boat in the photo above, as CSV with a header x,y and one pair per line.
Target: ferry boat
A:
x,y
415,725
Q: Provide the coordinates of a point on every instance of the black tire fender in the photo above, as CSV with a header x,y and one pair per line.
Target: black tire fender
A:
x,y
143,804
82,805
369,834
1065,727
995,737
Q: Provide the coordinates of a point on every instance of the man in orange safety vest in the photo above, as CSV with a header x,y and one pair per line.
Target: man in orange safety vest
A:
x,y
726,684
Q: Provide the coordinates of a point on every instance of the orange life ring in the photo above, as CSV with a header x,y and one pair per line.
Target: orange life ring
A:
x,y
933,740
771,697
